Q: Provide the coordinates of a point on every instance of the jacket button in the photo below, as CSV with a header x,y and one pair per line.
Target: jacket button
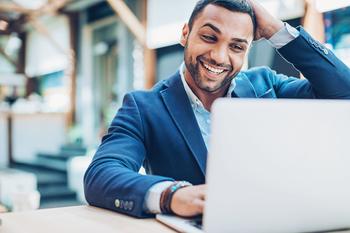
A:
x,y
117,203
131,205
325,51
125,205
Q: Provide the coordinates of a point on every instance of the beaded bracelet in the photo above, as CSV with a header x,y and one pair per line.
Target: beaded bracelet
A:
x,y
167,196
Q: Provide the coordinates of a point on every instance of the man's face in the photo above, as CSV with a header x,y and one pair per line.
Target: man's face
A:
x,y
215,47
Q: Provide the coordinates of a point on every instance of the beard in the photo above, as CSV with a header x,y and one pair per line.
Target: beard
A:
x,y
193,66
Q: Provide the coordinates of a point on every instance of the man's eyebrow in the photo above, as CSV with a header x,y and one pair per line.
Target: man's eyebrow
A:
x,y
217,30
240,40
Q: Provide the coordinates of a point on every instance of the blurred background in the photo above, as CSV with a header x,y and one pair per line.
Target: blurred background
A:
x,y
65,66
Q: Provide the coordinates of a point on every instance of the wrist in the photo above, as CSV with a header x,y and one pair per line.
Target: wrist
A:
x,y
167,196
272,29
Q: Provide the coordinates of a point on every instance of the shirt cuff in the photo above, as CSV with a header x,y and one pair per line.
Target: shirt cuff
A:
x,y
283,36
152,197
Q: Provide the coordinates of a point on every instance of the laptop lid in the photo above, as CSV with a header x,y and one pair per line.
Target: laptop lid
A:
x,y
278,166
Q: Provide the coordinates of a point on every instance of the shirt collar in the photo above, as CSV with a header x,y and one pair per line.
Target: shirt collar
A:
x,y
193,98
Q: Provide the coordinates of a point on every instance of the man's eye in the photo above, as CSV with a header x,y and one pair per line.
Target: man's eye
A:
x,y
208,38
237,48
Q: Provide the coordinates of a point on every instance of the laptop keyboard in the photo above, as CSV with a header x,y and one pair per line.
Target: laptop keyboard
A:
x,y
197,222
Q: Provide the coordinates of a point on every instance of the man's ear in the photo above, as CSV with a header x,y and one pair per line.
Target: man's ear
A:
x,y
184,34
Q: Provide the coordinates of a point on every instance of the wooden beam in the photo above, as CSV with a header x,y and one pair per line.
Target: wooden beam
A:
x,y
72,71
52,7
150,56
130,20
150,63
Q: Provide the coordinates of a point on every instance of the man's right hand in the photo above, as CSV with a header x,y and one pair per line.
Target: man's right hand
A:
x,y
189,201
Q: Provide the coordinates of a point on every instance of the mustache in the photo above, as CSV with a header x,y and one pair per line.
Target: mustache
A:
x,y
214,63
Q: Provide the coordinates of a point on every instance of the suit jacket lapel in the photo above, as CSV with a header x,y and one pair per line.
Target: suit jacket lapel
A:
x,y
244,88
179,107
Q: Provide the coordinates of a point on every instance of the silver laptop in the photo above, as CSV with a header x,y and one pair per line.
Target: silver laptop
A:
x,y
276,166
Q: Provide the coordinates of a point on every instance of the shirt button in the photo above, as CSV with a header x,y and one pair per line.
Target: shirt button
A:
x,y
117,203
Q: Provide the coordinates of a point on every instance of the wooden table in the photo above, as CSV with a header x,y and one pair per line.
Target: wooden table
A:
x,y
78,219
84,219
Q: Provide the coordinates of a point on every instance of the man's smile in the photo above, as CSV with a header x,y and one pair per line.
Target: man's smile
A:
x,y
212,70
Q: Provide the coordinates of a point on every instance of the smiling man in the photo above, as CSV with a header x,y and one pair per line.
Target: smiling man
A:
x,y
215,47
166,129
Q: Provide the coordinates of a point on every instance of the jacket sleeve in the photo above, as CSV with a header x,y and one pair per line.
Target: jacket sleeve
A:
x,y
112,180
327,76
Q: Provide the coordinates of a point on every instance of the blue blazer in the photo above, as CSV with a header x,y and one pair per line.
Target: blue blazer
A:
x,y
158,129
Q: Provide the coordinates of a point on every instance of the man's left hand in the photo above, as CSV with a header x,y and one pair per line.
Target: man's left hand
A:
x,y
267,24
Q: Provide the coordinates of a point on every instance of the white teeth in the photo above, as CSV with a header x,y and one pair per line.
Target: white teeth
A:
x,y
212,69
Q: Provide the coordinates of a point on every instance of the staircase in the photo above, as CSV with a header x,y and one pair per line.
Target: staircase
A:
x,y
51,173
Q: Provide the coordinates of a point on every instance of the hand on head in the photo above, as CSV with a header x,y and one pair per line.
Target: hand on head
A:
x,y
267,24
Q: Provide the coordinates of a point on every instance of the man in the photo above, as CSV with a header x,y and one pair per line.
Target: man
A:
x,y
166,129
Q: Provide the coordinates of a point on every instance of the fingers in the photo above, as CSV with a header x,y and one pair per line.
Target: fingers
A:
x,y
199,205
189,201
267,24
200,201
201,191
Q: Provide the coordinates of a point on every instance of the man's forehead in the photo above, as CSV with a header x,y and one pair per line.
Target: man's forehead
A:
x,y
225,19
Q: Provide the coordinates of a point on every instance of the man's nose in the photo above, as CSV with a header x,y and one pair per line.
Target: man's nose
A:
x,y
219,54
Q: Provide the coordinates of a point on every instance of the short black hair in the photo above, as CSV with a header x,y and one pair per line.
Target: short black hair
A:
x,y
232,5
